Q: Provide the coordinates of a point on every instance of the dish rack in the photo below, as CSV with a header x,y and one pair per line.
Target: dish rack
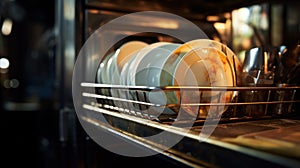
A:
x,y
254,102
253,112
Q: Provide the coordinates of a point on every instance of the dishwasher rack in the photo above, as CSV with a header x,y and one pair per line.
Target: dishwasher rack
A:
x,y
237,133
247,102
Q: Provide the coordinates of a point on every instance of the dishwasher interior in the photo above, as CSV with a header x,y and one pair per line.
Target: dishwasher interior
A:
x,y
258,128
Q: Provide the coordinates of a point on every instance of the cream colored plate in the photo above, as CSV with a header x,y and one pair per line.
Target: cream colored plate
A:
x,y
231,56
206,67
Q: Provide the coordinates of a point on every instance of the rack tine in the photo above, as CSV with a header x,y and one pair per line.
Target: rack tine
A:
x,y
291,104
268,100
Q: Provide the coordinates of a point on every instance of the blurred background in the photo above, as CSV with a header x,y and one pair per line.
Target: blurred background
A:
x,y
32,76
29,121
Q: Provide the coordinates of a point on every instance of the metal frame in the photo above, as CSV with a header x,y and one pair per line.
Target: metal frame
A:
x,y
189,151
215,151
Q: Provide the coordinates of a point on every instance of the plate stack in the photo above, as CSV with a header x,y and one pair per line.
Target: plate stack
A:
x,y
163,65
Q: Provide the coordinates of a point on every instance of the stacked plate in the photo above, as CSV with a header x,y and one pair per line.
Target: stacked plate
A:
x,y
201,62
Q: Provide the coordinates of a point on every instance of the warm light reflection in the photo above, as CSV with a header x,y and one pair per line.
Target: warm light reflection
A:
x,y
220,26
227,15
94,11
212,18
4,63
6,27
163,24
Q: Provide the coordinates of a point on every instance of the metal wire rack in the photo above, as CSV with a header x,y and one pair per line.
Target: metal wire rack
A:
x,y
246,102
252,110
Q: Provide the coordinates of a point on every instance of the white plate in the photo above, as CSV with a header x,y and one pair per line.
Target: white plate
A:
x,y
236,68
101,73
116,63
167,77
149,68
134,63
102,77
227,59
207,67
148,74
121,56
